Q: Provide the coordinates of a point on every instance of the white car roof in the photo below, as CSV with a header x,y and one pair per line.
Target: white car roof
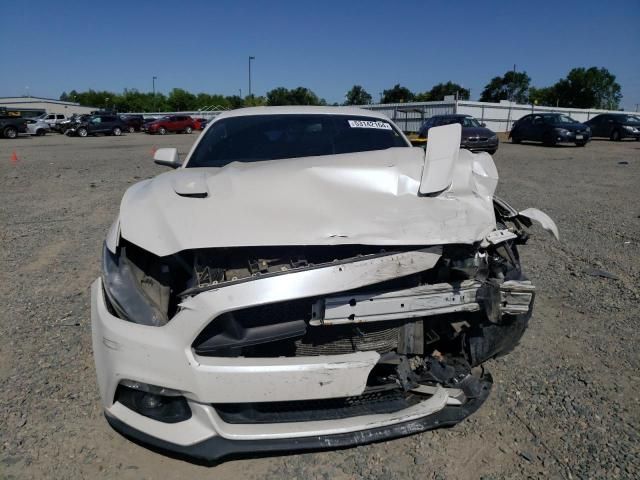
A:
x,y
302,109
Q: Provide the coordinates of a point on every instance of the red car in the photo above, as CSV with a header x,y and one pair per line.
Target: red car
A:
x,y
199,123
172,123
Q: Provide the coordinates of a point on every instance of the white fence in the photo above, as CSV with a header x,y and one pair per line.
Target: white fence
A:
x,y
499,117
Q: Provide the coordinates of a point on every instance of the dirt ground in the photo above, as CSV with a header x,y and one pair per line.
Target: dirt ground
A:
x,y
566,403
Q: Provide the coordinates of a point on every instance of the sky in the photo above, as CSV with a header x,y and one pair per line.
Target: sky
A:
x,y
327,46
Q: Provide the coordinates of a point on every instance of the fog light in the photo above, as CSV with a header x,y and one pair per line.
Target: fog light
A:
x,y
161,404
150,401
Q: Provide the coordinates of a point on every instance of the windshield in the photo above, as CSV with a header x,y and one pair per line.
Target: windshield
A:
x,y
629,119
270,137
555,119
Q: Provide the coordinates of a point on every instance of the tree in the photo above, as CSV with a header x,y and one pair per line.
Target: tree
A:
x,y
358,96
543,96
589,88
441,90
512,86
397,94
180,100
296,96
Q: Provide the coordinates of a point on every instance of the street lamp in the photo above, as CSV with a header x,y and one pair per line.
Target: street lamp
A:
x,y
250,58
153,80
106,103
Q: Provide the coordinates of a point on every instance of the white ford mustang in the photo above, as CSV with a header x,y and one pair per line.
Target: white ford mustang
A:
x,y
306,279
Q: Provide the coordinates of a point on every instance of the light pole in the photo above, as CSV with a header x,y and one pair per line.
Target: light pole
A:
x,y
250,58
153,80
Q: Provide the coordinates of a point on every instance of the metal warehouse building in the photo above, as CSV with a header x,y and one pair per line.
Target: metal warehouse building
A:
x,y
49,105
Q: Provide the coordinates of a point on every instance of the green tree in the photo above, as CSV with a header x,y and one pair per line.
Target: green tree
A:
x,y
181,100
511,86
358,96
296,96
441,90
397,94
543,96
589,88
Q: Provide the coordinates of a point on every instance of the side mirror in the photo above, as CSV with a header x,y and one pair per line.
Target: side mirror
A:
x,y
483,124
167,157
443,148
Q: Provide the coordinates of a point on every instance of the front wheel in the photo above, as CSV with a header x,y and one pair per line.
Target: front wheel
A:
x,y
615,136
10,132
492,151
82,132
40,132
515,140
132,130
580,144
117,131
162,131
188,130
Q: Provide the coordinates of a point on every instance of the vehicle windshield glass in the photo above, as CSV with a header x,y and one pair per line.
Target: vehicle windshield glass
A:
x,y
464,121
269,137
629,119
555,119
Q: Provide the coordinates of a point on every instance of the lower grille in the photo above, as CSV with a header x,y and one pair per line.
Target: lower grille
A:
x,y
313,410
340,339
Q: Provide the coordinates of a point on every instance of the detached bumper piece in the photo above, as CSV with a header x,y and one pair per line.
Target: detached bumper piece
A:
x,y
216,448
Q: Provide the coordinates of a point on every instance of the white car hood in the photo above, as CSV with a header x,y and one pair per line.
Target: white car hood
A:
x,y
360,198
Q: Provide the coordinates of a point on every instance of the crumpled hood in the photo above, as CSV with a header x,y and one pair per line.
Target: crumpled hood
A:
x,y
360,198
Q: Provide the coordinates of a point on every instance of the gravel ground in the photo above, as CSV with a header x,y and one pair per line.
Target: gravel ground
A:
x,y
565,403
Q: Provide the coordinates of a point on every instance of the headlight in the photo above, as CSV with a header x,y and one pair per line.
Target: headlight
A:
x,y
125,293
629,128
561,131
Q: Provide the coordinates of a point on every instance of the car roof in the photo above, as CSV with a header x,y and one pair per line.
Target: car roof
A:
x,y
451,115
302,110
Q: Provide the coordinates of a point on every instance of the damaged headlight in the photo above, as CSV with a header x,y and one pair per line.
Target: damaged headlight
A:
x,y
125,293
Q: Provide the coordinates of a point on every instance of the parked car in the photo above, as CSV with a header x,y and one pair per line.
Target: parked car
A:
x,y
199,123
134,122
306,279
615,126
475,136
54,120
10,125
171,123
550,129
37,126
97,124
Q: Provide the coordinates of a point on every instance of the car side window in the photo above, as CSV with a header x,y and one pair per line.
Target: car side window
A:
x,y
538,120
60,117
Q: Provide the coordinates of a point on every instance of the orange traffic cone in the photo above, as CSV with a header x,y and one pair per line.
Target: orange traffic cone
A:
x,y
14,157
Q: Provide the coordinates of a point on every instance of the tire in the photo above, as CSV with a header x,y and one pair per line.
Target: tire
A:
x,y
515,140
40,132
117,131
492,152
188,130
132,130
615,136
10,132
162,131
580,144
82,132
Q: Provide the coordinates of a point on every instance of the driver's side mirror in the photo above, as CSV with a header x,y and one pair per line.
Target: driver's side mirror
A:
x,y
167,157
483,124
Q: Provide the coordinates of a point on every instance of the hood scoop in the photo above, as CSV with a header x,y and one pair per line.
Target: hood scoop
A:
x,y
190,184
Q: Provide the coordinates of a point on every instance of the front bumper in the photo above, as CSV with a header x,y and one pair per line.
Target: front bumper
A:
x,y
480,145
163,356
217,447
572,137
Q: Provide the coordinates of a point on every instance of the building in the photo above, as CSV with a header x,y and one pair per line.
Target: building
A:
x,y
33,106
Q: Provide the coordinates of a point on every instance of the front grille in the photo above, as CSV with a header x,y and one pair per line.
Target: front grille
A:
x,y
313,410
340,339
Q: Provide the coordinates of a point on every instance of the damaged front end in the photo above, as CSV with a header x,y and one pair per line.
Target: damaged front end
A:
x,y
313,341
214,350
